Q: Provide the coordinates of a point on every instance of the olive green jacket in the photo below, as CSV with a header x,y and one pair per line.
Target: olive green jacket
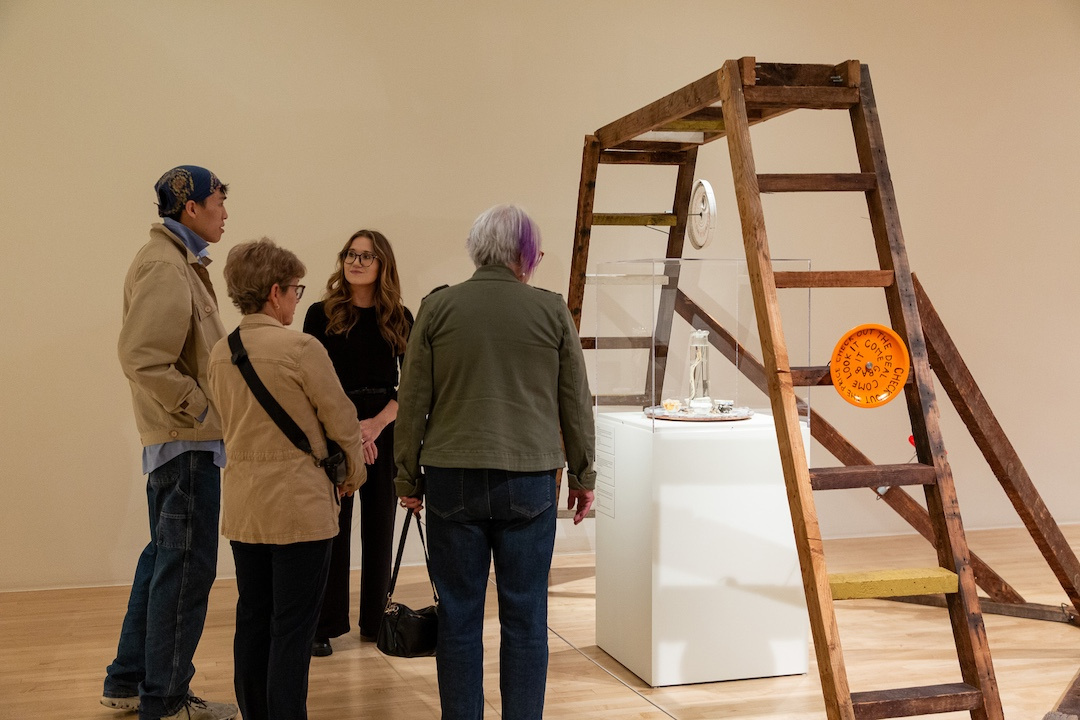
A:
x,y
492,373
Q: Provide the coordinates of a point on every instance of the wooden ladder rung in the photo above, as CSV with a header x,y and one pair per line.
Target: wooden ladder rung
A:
x,y
688,125
616,342
872,476
639,400
811,376
706,120
634,219
892,583
638,157
654,146
787,96
626,279
833,278
816,182
925,700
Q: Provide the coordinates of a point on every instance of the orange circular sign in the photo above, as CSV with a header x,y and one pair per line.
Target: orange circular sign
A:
x,y
869,365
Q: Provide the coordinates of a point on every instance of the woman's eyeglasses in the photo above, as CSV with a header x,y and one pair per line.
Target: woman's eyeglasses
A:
x,y
299,290
365,258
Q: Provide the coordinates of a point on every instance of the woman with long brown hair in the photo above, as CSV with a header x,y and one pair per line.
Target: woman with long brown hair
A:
x,y
364,326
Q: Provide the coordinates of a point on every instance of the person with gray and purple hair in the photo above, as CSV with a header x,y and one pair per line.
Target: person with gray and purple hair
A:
x,y
493,388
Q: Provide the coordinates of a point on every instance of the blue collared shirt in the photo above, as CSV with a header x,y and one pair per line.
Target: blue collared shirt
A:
x,y
198,247
154,456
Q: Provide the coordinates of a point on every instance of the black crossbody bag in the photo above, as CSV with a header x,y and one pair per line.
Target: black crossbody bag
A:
x,y
334,463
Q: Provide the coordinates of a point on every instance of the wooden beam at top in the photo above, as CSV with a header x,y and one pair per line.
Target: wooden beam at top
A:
x,y
849,72
804,75
813,98
691,98
810,86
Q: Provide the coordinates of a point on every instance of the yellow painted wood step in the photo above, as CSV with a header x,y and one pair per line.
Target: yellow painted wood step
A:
x,y
892,583
667,219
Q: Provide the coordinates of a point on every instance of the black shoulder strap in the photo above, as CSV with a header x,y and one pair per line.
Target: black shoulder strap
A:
x,y
401,550
273,409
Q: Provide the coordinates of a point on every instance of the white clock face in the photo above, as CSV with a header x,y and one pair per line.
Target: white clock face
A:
x,y
702,214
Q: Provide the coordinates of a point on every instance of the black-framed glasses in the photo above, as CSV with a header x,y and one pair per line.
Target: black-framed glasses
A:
x,y
299,290
365,258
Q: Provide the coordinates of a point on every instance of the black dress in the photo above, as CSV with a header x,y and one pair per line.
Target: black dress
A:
x,y
368,371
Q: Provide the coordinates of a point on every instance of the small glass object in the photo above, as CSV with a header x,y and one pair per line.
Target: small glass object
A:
x,y
699,401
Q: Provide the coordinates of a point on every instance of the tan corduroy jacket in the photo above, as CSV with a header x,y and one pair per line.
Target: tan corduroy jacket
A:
x,y
170,324
272,492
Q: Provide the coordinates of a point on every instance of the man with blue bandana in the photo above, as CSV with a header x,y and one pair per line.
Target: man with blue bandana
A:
x,y
170,323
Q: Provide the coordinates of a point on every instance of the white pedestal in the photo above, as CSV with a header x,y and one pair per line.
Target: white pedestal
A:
x,y
697,577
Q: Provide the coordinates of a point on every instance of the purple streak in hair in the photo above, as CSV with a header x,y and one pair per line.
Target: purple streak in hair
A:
x,y
529,244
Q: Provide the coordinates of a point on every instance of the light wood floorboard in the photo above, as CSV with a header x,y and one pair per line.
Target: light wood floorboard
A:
x,y
54,646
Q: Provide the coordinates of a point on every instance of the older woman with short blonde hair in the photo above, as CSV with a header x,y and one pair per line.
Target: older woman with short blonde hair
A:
x,y
279,509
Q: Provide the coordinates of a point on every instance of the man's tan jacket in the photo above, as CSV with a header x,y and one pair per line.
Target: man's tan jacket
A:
x,y
170,323
272,492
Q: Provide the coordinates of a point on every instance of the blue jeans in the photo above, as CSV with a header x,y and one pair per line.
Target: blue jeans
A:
x,y
474,516
281,591
167,606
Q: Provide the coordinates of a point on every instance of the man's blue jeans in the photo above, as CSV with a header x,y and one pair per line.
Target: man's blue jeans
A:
x,y
167,607
474,516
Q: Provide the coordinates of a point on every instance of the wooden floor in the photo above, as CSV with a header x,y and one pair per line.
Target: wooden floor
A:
x,y
54,647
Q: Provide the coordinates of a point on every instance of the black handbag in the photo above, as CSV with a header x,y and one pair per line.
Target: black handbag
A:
x,y
404,632
333,464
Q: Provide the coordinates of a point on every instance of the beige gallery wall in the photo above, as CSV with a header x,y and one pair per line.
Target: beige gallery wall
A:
x,y
329,115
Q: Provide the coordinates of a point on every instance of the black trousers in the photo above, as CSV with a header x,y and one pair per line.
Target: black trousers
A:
x,y
280,594
378,501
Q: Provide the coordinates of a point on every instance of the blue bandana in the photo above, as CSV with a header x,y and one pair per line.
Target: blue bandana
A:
x,y
183,183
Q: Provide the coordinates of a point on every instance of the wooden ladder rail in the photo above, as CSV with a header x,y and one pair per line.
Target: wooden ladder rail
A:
x,y
819,600
583,222
974,410
665,313
1069,704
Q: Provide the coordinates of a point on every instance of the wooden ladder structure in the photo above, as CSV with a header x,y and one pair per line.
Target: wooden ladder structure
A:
x,y
668,132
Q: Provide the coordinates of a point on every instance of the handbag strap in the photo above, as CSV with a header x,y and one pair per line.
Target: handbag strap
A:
x,y
272,407
401,549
